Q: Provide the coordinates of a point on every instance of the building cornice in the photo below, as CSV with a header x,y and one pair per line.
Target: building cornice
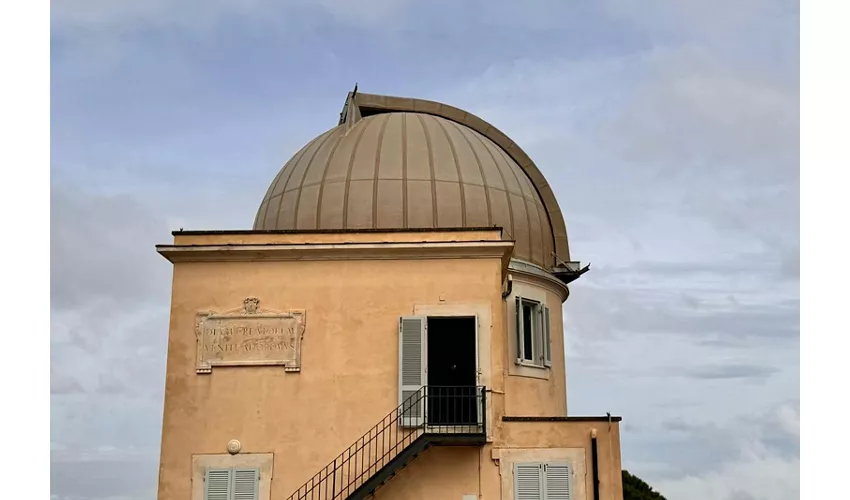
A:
x,y
500,249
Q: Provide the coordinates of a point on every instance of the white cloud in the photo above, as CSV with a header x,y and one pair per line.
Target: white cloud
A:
x,y
101,244
63,384
763,461
715,21
199,16
759,477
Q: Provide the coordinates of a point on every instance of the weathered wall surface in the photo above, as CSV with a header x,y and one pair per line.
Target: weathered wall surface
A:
x,y
572,435
445,473
348,378
349,364
487,472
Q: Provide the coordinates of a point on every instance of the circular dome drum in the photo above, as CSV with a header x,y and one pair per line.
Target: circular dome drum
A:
x,y
408,170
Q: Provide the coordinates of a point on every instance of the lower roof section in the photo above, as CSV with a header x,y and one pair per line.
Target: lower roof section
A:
x,y
604,418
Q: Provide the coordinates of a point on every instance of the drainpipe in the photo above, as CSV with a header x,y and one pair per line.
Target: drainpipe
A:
x,y
509,289
595,461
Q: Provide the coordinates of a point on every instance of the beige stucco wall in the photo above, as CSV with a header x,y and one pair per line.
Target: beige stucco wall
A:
x,y
572,435
532,391
507,458
349,375
262,461
445,473
349,365
487,472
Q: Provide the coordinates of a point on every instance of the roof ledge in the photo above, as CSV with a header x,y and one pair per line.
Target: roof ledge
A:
x,y
604,418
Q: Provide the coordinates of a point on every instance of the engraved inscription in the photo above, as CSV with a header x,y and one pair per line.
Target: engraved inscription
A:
x,y
249,336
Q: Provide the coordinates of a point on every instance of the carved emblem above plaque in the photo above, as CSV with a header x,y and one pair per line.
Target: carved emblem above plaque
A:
x,y
249,336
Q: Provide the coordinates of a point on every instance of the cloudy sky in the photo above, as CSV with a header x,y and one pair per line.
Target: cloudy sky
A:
x,y
668,129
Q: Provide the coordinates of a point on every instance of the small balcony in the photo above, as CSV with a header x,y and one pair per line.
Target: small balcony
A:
x,y
451,414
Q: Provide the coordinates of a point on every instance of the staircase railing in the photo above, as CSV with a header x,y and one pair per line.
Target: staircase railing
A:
x,y
437,410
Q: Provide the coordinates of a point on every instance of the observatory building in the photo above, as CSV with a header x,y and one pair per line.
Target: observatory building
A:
x,y
390,328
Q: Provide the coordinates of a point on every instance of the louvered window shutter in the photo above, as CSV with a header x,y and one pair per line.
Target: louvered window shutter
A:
x,y
246,483
557,482
217,484
547,337
519,342
412,370
528,481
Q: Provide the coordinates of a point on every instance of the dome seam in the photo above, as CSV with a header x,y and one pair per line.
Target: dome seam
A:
x,y
522,196
380,143
406,223
303,177
459,174
480,169
480,139
270,193
435,216
295,159
323,182
356,145
533,204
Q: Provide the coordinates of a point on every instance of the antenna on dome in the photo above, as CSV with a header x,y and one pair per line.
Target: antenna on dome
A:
x,y
350,112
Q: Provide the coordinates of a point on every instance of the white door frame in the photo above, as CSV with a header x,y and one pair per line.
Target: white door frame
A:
x,y
483,314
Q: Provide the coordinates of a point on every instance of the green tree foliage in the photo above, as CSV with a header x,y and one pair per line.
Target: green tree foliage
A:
x,y
634,488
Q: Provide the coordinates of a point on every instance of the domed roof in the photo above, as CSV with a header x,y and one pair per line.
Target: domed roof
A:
x,y
400,169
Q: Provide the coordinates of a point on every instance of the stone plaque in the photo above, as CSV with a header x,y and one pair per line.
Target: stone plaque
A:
x,y
249,336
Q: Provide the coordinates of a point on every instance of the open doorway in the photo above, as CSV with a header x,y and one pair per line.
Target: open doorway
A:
x,y
452,371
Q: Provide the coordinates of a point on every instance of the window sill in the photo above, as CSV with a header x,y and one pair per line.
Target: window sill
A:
x,y
529,364
529,370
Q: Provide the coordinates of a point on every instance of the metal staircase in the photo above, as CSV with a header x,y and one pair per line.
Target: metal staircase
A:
x,y
432,416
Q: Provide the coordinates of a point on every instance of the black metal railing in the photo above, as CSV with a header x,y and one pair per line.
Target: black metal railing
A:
x,y
437,411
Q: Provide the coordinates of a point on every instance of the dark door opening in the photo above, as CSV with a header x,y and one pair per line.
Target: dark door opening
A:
x,y
452,372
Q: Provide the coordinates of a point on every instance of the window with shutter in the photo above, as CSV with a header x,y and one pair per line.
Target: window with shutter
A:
x,y
533,339
536,481
217,484
528,481
557,481
237,483
246,484
547,337
411,369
